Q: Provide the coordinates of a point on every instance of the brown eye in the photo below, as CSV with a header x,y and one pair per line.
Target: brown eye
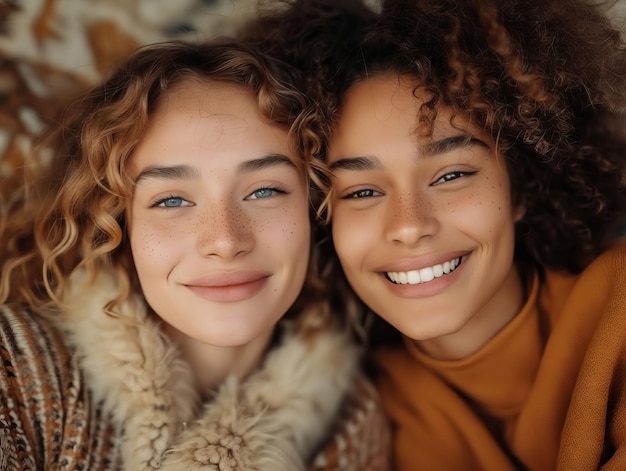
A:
x,y
367,193
452,176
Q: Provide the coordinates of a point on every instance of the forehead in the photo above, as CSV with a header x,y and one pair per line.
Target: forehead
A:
x,y
208,98
383,110
380,96
213,119
376,114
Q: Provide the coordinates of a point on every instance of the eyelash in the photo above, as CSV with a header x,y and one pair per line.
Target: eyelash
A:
x,y
160,203
273,189
447,177
359,194
457,174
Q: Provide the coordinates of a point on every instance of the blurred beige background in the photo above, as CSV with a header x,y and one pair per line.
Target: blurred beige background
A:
x,y
52,49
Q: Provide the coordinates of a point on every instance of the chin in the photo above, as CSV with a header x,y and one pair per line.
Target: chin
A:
x,y
235,336
429,331
228,341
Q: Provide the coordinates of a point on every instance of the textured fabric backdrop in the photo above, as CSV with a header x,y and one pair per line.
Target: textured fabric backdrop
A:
x,y
50,50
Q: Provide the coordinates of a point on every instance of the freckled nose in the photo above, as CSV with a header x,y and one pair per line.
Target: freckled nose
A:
x,y
410,219
224,231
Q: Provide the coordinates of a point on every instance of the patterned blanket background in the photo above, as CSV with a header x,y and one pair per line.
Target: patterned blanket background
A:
x,y
50,50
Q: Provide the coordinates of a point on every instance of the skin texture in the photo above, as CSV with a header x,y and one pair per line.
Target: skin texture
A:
x,y
219,224
403,202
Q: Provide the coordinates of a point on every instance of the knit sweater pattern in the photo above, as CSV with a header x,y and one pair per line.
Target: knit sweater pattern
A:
x,y
95,392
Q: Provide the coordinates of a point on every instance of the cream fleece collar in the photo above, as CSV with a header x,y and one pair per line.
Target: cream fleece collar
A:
x,y
274,420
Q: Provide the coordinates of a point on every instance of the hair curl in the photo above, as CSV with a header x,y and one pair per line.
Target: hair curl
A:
x,y
318,38
546,79
71,214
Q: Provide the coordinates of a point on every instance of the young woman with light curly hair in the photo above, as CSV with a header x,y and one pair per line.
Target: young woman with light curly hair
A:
x,y
162,300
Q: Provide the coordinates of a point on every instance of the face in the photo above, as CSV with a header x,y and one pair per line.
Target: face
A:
x,y
423,226
219,221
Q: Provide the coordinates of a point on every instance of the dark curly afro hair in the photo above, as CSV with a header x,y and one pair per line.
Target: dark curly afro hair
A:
x,y
546,78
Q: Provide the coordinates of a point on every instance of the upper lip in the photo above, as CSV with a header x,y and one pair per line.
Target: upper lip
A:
x,y
411,264
231,278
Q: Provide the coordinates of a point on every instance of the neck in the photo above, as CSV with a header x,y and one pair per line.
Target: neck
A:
x,y
211,364
493,317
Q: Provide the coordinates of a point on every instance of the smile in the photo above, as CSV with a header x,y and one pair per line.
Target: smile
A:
x,y
229,287
423,275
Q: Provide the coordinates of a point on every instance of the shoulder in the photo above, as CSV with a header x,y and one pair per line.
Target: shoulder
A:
x,y
362,433
612,258
35,358
604,278
45,412
607,273
31,376
23,334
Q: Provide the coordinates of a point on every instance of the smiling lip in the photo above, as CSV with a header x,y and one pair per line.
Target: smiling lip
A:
x,y
424,275
228,287
433,275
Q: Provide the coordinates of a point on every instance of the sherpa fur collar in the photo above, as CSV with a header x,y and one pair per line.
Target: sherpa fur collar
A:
x,y
274,420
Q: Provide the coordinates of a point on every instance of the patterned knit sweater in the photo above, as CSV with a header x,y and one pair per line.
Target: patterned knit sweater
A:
x,y
103,394
48,420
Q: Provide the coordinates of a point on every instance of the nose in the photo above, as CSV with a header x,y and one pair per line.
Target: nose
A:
x,y
224,231
410,219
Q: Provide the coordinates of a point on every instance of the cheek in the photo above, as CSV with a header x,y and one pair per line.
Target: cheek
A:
x,y
284,232
486,212
154,246
297,231
351,237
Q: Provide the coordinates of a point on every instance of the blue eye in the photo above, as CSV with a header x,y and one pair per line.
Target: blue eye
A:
x,y
366,193
263,193
172,202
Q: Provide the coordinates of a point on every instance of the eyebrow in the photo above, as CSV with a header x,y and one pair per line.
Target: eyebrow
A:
x,y
174,172
368,162
187,172
451,143
267,161
371,162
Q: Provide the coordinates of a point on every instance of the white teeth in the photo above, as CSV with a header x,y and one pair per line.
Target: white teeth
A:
x,y
414,277
427,274
423,275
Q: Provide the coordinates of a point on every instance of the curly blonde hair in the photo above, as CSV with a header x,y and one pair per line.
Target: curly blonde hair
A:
x,y
71,213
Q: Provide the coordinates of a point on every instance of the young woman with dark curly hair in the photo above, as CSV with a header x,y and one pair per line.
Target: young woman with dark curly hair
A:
x,y
478,158
168,242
